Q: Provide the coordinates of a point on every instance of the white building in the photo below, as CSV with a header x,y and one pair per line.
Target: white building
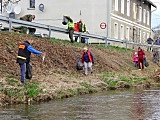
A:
x,y
124,19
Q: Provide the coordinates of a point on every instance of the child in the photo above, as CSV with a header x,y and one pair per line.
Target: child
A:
x,y
135,59
87,39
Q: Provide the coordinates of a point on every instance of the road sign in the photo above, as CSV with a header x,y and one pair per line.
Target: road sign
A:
x,y
103,25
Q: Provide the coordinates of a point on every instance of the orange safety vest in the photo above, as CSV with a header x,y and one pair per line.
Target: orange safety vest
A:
x,y
89,55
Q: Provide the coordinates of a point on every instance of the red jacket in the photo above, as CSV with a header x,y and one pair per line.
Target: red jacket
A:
x,y
141,54
76,26
90,57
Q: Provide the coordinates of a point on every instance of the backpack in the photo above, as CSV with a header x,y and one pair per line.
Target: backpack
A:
x,y
28,70
79,64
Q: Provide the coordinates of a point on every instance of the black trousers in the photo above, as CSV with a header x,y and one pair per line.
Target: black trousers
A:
x,y
71,31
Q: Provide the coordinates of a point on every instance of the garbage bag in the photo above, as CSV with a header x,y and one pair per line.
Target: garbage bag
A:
x,y
29,71
79,65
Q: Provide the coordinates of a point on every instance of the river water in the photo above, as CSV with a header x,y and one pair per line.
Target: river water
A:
x,y
109,105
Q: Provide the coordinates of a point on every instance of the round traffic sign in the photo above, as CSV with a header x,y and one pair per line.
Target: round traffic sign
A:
x,y
103,25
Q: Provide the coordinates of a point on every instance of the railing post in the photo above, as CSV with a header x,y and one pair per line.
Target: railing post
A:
x,y
126,45
80,35
106,42
10,24
49,28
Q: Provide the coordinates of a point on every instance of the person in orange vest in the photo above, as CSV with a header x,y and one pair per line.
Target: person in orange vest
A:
x,y
23,58
88,60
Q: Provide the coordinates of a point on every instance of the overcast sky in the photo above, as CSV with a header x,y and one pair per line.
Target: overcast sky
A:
x,y
155,21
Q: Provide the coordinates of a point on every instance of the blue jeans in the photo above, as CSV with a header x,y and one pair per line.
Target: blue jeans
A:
x,y
86,41
23,72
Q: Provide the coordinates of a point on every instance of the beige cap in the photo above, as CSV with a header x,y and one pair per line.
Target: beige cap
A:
x,y
85,48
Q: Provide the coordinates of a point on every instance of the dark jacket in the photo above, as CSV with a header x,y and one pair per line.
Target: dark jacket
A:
x,y
149,40
27,18
23,53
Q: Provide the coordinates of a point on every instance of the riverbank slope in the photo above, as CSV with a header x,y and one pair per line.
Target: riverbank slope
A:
x,y
57,76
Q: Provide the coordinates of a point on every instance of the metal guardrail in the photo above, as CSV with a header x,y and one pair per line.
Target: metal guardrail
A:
x,y
62,30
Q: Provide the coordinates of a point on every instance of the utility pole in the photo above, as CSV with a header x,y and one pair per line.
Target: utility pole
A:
x,y
1,7
108,20
151,18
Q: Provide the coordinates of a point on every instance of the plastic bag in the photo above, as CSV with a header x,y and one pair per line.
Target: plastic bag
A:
x,y
28,71
79,65
146,64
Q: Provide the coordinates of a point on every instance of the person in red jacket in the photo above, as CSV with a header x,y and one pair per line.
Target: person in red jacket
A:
x,y
76,28
141,56
87,59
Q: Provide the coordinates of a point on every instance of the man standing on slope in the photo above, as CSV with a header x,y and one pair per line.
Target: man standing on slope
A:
x,y
23,58
28,18
69,22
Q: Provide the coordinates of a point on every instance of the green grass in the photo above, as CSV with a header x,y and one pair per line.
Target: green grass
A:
x,y
32,89
137,80
108,74
56,40
12,92
110,47
60,94
85,85
126,79
112,83
109,78
11,80
72,92
66,42
88,87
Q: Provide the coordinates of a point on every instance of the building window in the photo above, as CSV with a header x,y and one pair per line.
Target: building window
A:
x,y
122,6
144,16
127,33
140,14
122,32
116,30
148,18
140,36
144,37
32,3
128,7
147,35
116,5
134,11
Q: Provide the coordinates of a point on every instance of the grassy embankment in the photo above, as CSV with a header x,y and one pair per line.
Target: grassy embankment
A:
x,y
57,78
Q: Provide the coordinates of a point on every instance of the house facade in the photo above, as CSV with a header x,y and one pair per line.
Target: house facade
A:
x,y
131,20
122,19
